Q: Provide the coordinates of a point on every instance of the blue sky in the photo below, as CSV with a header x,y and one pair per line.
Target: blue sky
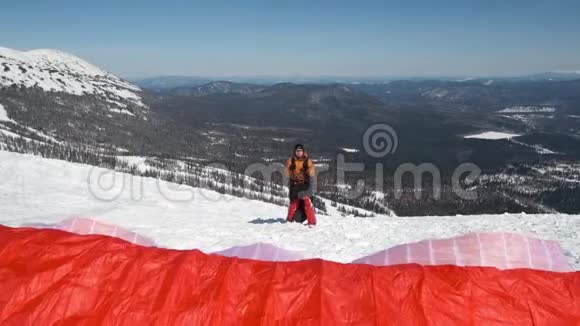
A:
x,y
303,38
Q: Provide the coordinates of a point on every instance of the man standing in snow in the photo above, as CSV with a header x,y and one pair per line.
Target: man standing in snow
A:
x,y
300,170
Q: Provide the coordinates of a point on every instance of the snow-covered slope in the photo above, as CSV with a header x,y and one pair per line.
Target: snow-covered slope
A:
x,y
4,114
528,109
57,71
38,190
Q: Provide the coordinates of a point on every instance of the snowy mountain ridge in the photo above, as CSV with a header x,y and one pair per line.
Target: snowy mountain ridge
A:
x,y
58,71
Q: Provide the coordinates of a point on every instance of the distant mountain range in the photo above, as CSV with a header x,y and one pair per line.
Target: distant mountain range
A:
x,y
218,87
169,82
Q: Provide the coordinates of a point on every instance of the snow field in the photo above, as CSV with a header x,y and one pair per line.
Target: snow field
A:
x,y
38,190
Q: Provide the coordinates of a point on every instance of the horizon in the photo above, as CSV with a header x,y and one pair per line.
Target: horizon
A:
x,y
291,78
256,39
318,78
363,77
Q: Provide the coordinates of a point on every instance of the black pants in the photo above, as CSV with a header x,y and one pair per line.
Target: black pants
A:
x,y
300,190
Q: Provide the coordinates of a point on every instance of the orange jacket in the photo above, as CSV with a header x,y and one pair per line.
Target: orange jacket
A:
x,y
296,175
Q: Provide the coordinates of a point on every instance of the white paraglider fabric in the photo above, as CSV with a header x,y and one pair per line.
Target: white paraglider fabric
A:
x,y
492,249
500,250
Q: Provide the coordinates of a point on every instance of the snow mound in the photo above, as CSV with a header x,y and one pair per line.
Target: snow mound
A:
x,y
57,71
492,135
261,251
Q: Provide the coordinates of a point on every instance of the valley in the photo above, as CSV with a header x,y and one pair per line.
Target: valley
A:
x,y
509,129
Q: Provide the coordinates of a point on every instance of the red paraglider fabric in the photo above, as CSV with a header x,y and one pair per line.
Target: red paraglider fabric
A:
x,y
52,277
